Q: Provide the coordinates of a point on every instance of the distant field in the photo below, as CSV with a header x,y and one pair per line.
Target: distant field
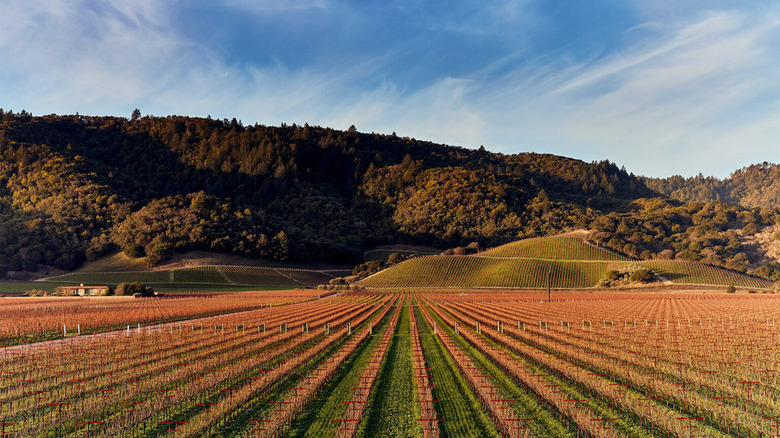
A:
x,y
15,288
195,279
112,277
119,262
571,262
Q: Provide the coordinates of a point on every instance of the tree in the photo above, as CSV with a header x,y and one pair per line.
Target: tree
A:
x,y
281,246
368,268
134,250
136,115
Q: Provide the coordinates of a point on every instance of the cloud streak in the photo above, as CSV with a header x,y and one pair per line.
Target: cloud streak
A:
x,y
663,107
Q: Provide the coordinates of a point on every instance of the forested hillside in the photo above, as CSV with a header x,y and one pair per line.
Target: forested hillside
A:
x,y
753,186
74,188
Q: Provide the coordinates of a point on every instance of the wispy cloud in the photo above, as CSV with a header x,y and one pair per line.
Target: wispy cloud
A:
x,y
74,55
698,93
676,96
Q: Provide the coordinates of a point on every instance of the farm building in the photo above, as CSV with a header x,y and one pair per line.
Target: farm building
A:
x,y
82,290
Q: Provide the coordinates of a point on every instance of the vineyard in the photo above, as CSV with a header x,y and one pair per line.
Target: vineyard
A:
x,y
436,364
24,320
560,262
682,272
556,247
475,271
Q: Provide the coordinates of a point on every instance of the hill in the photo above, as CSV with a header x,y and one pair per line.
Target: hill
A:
x,y
569,261
74,189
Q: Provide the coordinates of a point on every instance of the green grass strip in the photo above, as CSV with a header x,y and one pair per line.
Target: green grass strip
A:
x,y
628,422
317,421
391,411
526,405
258,407
461,409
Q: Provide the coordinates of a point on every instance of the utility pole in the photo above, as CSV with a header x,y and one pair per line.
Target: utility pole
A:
x,y
549,271
549,276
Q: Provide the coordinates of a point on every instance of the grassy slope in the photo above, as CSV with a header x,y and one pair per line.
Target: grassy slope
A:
x,y
383,252
469,271
678,271
561,248
117,262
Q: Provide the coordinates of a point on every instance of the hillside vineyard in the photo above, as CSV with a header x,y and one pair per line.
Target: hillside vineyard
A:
x,y
563,261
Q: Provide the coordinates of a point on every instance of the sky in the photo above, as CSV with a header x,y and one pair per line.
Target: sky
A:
x,y
662,87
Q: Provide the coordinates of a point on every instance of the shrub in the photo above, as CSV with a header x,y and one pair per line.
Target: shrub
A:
x,y
395,258
751,228
134,250
626,276
730,289
368,268
338,281
127,289
643,275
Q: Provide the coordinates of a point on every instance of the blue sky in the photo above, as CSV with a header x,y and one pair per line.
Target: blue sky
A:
x,y
662,87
